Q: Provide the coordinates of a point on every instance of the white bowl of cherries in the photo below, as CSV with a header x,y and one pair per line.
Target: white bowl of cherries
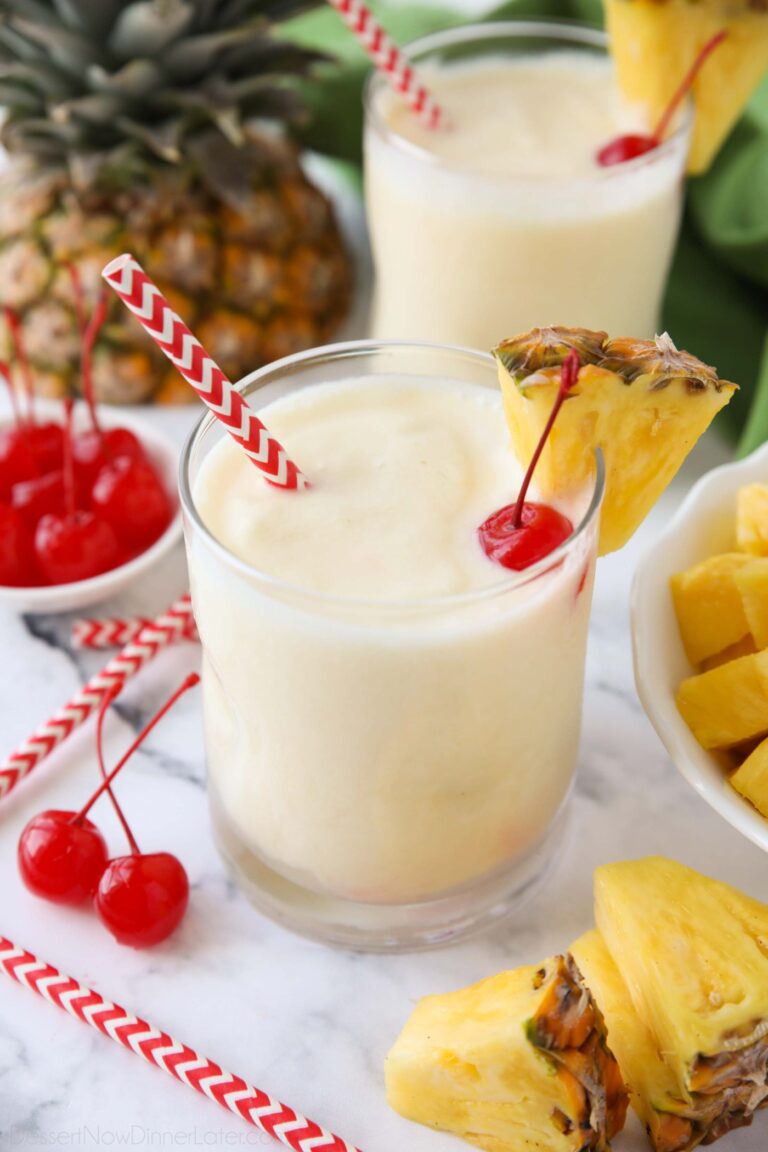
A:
x,y
84,508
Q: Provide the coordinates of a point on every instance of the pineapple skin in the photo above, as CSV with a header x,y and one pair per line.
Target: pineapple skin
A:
x,y
728,704
262,280
709,605
652,1085
654,43
476,1062
693,953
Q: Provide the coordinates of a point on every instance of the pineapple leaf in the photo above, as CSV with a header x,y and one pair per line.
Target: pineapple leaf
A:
x,y
94,17
71,52
138,79
46,82
21,97
199,55
98,108
149,27
162,139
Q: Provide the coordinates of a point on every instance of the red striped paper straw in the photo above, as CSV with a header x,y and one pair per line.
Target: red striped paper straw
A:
x,y
117,631
164,630
186,353
253,1105
390,60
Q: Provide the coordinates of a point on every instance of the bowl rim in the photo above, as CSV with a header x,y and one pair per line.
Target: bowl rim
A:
x,y
41,598
676,737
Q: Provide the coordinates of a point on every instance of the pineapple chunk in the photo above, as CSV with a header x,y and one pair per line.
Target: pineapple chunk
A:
x,y
693,954
728,704
518,1061
751,779
655,42
643,403
652,1085
709,606
752,583
744,647
752,519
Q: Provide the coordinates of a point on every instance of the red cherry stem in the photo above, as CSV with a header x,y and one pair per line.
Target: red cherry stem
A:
x,y
88,339
79,295
105,705
687,83
69,464
183,687
5,372
568,374
22,360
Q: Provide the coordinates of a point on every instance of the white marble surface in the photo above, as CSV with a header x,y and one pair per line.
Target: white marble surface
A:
x,y
306,1023
309,1024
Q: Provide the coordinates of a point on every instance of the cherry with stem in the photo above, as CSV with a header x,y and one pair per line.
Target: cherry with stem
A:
x,y
522,533
632,145
63,857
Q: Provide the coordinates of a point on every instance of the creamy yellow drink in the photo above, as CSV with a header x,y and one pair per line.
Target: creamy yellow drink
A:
x,y
503,220
391,717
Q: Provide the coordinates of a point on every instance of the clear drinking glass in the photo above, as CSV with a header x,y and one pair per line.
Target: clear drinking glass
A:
x,y
468,258
387,774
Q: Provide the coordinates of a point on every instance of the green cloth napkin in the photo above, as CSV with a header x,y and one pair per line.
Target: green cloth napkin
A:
x,y
717,298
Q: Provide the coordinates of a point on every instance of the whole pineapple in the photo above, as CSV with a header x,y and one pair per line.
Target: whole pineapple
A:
x,y
158,127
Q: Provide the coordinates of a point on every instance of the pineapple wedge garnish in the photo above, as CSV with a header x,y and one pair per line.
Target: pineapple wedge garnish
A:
x,y
655,42
693,953
671,1123
518,1061
751,778
709,605
642,402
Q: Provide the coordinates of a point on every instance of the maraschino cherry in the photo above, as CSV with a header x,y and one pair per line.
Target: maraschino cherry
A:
x,y
142,897
632,145
16,556
522,533
63,857
73,545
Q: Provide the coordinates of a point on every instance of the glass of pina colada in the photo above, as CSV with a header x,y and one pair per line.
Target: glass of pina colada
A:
x,y
502,218
393,658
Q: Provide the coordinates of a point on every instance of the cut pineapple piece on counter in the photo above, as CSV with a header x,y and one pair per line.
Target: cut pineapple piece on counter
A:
x,y
693,953
752,519
751,778
518,1061
744,647
709,605
672,1124
642,402
728,704
655,42
752,582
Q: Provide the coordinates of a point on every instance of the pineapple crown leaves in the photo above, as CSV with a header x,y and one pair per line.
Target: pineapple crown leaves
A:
x,y
125,85
653,364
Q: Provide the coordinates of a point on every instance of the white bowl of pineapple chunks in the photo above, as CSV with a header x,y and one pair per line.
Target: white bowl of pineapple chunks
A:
x,y
700,640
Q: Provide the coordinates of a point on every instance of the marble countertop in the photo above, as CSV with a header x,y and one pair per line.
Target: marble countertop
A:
x,y
309,1024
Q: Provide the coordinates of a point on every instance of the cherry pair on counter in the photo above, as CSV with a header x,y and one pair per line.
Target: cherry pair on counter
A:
x,y
141,897
72,504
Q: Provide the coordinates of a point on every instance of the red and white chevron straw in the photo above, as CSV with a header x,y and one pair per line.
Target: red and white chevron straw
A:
x,y
116,631
390,60
185,351
161,632
178,1060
